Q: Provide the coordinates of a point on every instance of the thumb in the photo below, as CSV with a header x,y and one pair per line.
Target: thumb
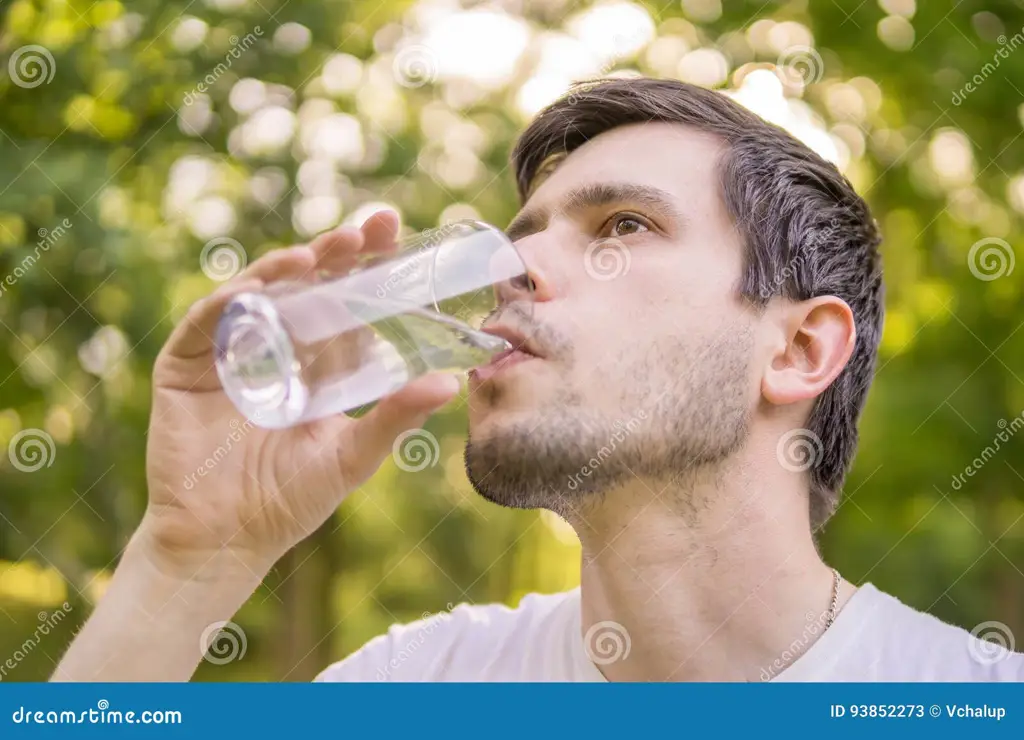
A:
x,y
371,437
423,396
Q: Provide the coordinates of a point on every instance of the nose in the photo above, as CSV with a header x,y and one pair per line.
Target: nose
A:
x,y
532,285
521,288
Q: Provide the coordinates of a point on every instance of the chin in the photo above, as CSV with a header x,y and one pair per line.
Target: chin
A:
x,y
501,463
487,422
510,393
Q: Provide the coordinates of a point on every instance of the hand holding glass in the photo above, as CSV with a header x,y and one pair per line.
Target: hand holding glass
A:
x,y
303,350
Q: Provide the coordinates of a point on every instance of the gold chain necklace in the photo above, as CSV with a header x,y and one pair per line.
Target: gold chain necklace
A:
x,y
835,599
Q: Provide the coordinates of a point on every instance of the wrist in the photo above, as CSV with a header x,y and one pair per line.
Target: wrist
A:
x,y
171,559
153,620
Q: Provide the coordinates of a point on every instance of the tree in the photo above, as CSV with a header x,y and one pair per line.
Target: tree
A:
x,y
148,149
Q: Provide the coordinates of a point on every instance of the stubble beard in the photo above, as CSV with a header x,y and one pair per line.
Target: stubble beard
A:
x,y
684,413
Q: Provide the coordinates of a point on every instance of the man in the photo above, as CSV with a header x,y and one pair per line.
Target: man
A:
x,y
707,293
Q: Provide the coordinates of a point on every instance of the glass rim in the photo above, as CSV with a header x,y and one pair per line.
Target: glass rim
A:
x,y
422,240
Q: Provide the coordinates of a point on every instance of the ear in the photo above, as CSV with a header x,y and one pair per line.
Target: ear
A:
x,y
816,338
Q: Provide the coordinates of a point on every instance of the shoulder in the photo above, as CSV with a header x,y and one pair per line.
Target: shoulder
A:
x,y
910,645
458,644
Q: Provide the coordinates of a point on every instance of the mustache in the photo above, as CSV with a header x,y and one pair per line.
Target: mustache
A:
x,y
549,341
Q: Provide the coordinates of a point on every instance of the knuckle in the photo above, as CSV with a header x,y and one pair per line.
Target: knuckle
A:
x,y
197,310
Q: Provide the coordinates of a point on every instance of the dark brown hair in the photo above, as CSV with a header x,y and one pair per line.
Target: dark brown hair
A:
x,y
807,233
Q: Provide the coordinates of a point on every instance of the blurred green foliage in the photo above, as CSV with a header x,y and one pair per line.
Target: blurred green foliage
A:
x,y
155,127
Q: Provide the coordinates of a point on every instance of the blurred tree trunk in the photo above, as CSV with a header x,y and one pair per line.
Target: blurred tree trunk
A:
x,y
303,632
1008,594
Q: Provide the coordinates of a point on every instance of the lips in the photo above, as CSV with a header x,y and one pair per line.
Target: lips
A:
x,y
500,363
517,339
520,352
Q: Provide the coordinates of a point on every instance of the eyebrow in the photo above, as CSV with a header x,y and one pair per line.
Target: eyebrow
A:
x,y
531,220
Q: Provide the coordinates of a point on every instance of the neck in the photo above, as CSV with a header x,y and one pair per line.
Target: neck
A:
x,y
711,580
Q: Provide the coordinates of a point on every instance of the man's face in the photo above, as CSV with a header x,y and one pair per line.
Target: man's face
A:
x,y
643,347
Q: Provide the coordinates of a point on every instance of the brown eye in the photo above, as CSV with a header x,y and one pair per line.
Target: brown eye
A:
x,y
626,225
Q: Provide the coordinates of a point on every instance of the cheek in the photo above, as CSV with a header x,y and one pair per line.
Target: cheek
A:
x,y
696,289
613,328
605,316
656,297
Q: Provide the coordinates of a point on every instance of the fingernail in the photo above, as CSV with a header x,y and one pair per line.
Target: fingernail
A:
x,y
245,286
453,383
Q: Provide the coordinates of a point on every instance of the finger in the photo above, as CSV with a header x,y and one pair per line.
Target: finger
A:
x,y
421,396
193,335
370,439
281,264
337,250
381,231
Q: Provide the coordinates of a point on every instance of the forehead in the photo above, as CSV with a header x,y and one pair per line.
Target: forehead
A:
x,y
677,159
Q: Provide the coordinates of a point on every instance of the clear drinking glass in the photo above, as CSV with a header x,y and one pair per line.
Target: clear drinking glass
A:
x,y
299,351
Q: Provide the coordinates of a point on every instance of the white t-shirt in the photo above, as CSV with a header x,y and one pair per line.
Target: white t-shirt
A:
x,y
874,638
